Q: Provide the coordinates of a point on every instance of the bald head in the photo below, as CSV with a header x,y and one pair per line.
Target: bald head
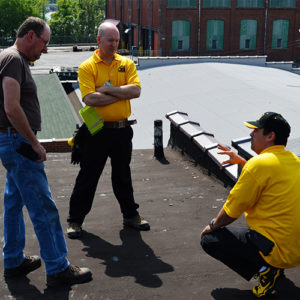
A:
x,y
108,40
106,27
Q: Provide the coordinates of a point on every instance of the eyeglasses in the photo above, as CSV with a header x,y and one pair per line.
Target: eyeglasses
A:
x,y
46,43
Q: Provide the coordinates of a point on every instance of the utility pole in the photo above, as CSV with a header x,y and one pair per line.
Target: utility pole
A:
x,y
199,26
266,26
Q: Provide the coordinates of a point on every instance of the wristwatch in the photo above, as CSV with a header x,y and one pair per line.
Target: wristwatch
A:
x,y
211,225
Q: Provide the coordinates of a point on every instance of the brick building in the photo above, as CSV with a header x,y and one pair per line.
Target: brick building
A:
x,y
209,27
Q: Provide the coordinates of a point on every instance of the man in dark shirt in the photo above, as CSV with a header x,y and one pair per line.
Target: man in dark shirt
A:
x,y
26,181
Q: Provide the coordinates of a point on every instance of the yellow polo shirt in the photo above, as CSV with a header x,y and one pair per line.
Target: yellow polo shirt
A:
x,y
268,191
94,72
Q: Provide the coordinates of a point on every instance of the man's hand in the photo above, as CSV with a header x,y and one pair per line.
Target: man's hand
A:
x,y
234,158
205,231
220,221
40,150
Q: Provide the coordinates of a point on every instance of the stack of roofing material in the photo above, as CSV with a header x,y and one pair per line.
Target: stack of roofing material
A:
x,y
201,145
59,118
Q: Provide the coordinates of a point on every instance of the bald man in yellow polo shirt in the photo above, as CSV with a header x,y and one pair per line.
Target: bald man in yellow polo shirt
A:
x,y
107,82
268,193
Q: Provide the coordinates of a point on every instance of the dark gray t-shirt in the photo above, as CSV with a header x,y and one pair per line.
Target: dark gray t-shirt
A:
x,y
14,64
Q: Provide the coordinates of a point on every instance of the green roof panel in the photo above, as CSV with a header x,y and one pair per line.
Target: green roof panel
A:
x,y
58,116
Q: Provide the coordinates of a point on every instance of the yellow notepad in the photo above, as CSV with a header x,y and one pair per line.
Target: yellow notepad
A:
x,y
92,119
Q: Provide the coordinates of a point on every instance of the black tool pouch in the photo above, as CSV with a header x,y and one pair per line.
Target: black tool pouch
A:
x,y
79,140
261,242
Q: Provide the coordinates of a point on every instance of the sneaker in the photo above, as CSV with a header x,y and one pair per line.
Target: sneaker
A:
x,y
74,230
29,264
137,222
267,281
71,275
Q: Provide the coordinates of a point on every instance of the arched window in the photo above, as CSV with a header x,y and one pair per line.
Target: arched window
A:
x,y
280,34
181,35
182,3
216,3
215,35
250,3
248,34
283,3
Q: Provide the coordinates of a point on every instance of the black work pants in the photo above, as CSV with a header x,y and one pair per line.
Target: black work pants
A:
x,y
115,143
232,246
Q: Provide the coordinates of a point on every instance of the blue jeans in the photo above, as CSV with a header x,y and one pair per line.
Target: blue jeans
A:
x,y
27,184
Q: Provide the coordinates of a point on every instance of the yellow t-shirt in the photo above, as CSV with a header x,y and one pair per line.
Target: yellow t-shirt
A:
x,y
94,72
268,191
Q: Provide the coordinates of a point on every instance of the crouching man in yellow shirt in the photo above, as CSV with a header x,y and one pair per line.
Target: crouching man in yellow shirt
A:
x,y
268,193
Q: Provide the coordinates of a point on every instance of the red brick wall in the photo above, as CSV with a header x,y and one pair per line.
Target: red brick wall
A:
x,y
118,12
125,11
57,145
134,17
144,8
156,14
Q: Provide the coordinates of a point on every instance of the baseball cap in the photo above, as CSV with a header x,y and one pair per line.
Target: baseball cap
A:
x,y
272,121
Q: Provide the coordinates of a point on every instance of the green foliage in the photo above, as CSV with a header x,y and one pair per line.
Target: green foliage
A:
x,y
76,18
62,21
13,13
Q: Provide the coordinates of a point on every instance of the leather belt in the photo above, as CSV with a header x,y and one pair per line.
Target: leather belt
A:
x,y
6,130
119,124
13,130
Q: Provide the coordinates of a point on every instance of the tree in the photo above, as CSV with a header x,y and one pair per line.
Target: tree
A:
x,y
40,6
78,19
14,12
62,21
89,14
12,15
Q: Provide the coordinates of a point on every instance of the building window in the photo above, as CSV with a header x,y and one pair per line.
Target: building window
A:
x,y
215,35
280,34
279,43
247,44
283,3
248,34
216,3
250,3
180,45
214,44
180,35
182,3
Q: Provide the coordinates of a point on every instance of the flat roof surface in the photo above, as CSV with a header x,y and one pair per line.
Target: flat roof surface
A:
x,y
167,262
219,96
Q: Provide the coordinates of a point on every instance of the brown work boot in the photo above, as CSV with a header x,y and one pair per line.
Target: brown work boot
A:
x,y
29,264
71,275
137,222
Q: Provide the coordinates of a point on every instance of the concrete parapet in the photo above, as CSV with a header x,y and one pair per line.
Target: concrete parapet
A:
x,y
158,61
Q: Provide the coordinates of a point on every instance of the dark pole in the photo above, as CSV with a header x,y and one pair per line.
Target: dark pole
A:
x,y
158,140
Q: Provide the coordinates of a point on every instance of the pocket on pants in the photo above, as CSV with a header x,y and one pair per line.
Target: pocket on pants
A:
x,y
260,241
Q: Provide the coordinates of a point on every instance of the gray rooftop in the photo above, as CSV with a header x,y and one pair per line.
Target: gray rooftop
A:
x,y
177,198
164,263
220,96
